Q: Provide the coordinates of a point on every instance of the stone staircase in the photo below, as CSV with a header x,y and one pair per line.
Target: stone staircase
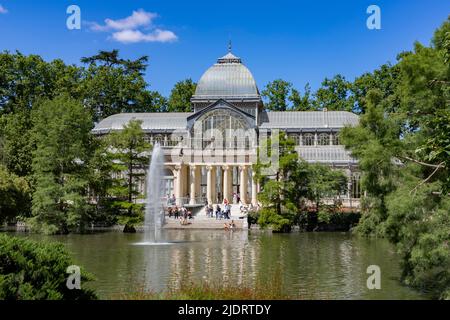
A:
x,y
201,221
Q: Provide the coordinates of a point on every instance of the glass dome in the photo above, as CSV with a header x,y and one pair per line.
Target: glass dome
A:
x,y
228,79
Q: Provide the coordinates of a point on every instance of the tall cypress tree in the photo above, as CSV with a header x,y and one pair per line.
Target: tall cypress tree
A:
x,y
61,133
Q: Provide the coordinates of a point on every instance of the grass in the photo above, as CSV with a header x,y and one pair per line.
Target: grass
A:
x,y
205,291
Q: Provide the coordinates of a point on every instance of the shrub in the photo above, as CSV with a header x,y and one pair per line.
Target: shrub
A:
x,y
252,217
37,271
15,196
279,223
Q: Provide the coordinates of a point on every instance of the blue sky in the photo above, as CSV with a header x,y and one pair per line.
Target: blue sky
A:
x,y
299,41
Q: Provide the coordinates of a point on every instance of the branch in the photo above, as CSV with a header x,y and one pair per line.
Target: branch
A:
x,y
429,177
438,166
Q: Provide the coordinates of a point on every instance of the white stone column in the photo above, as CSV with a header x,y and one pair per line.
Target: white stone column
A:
x,y
198,182
211,184
227,183
349,184
178,184
254,189
244,183
193,180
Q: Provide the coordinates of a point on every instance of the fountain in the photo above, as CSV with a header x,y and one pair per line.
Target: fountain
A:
x,y
154,211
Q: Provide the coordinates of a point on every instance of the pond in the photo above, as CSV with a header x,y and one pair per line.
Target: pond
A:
x,y
310,265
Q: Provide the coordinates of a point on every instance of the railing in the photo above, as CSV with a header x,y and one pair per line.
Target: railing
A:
x,y
212,143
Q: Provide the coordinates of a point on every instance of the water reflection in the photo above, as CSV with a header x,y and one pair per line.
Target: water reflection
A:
x,y
313,265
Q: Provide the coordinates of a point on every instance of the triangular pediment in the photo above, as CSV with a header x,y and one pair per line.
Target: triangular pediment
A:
x,y
221,104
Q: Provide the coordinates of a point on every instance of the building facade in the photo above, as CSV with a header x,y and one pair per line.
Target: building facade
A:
x,y
209,152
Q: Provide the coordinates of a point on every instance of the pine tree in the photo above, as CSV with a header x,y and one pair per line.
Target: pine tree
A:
x,y
128,148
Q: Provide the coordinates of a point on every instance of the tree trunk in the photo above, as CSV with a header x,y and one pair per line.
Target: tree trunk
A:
x,y
129,229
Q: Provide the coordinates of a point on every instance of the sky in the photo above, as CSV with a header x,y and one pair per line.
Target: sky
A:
x,y
298,41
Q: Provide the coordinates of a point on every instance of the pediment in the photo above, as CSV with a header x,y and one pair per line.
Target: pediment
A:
x,y
221,105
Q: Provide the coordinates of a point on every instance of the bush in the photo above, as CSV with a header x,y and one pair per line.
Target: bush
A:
x,y
15,196
279,223
37,271
252,217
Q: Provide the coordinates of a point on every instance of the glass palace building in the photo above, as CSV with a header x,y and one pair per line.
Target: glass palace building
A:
x,y
209,152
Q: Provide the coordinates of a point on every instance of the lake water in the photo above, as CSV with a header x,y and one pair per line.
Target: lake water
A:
x,y
312,265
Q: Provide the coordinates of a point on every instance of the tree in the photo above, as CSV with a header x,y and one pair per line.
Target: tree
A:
x,y
402,145
334,95
385,79
294,184
302,103
27,79
325,183
180,96
100,170
419,225
17,144
151,101
276,94
277,187
61,131
112,85
15,196
24,80
128,148
374,143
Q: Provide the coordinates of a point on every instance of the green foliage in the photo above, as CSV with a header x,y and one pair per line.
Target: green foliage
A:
x,y
61,132
17,143
26,79
32,270
100,182
292,185
15,196
128,148
112,85
420,227
180,96
383,80
324,183
408,201
302,103
278,222
334,95
276,94
374,143
270,290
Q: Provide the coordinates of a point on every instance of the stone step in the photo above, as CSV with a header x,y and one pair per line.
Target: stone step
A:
x,y
207,223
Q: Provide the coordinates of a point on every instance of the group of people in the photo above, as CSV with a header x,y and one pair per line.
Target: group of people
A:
x,y
218,212
179,213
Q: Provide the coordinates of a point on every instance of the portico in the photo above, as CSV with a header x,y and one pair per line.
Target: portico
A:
x,y
220,181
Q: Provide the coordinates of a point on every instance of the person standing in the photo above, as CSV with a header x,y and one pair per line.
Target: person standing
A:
x,y
218,212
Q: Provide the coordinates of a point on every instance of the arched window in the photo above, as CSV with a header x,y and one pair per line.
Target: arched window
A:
x,y
222,128
323,139
336,139
308,139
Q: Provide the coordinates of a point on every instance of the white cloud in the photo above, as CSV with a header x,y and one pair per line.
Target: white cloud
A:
x,y
134,36
3,9
126,30
138,19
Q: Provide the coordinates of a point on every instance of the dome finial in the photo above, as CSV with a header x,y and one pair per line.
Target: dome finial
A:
x,y
229,46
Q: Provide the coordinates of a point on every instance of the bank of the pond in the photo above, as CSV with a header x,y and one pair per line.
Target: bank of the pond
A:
x,y
329,265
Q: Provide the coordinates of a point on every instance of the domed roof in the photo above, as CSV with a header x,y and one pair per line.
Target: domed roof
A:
x,y
227,79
